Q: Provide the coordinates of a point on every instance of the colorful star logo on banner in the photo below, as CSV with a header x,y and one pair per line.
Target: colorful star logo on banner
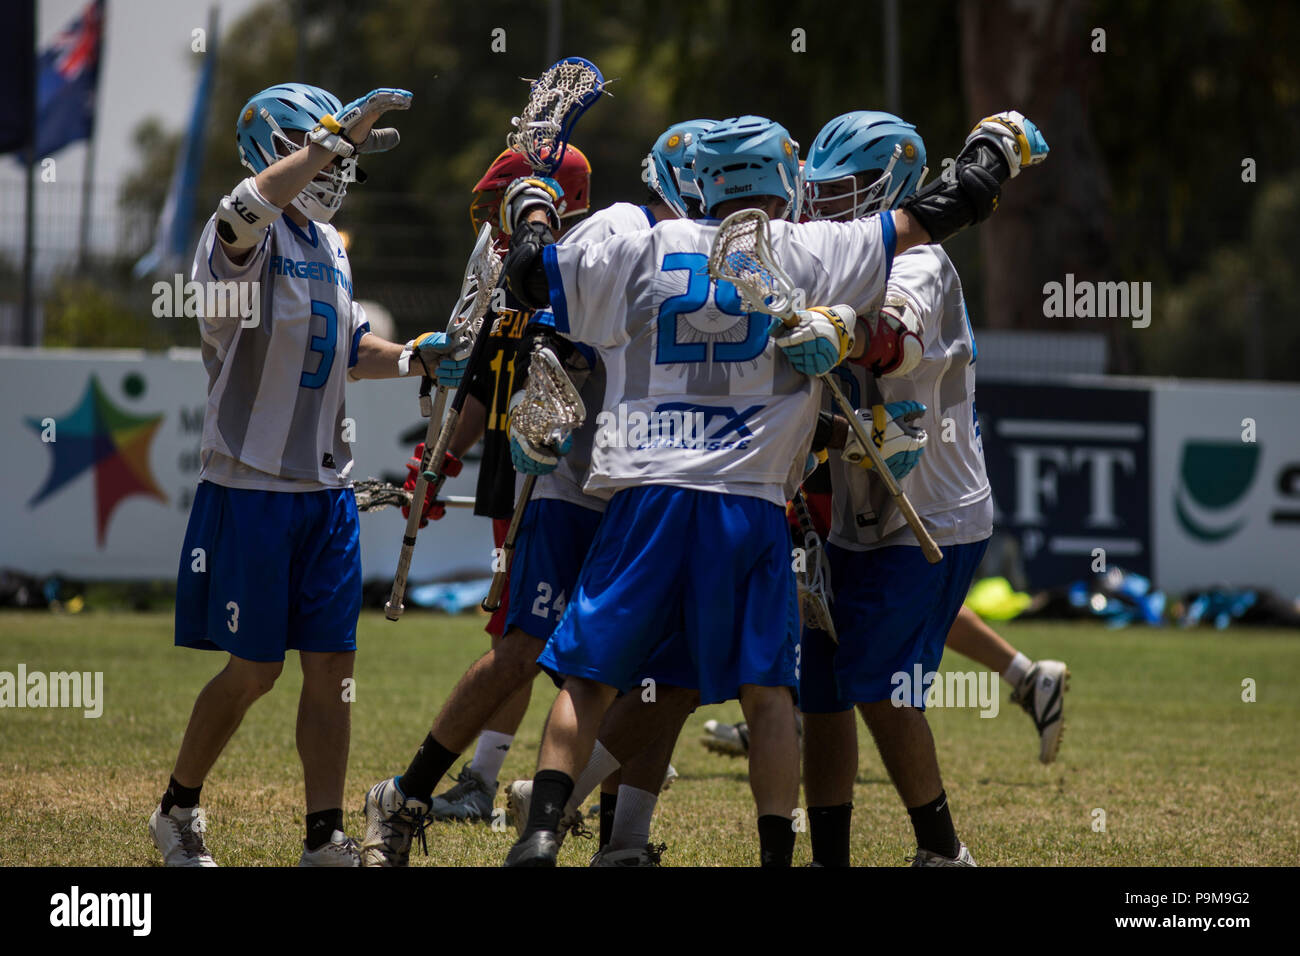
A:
x,y
99,435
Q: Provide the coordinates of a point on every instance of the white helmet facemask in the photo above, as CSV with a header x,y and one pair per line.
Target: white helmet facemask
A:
x,y
866,200
321,198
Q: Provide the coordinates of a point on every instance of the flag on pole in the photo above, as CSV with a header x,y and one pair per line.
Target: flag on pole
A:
x,y
171,246
17,74
67,77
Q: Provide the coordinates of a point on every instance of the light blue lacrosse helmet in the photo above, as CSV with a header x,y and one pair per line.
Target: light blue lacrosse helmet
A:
x,y
748,156
865,141
260,135
667,166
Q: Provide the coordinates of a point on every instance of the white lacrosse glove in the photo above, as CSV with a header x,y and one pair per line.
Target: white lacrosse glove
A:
x,y
530,459
820,339
899,442
1016,136
339,134
526,194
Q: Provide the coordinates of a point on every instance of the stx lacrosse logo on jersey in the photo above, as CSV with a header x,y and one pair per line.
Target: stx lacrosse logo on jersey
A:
x,y
685,425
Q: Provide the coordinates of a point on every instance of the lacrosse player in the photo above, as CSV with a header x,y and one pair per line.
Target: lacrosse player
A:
x,y
271,560
696,535
553,541
893,610
498,378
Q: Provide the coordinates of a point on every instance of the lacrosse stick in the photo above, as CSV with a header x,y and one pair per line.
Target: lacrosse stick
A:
x,y
557,98
742,255
466,323
375,493
549,412
814,587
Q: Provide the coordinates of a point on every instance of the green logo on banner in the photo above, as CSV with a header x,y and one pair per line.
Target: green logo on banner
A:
x,y
1212,477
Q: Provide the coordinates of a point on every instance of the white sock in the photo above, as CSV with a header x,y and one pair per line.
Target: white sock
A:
x,y
600,766
632,818
1017,670
490,754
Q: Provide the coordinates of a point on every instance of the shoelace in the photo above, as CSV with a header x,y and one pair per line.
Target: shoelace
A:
x,y
654,852
191,834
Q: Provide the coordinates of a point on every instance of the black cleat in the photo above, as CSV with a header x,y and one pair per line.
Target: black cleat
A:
x,y
540,849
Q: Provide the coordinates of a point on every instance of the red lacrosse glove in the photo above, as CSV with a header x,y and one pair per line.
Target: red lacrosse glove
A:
x,y
433,508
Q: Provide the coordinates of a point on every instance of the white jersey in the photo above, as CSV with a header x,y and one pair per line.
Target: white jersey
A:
x,y
566,482
274,416
697,396
949,486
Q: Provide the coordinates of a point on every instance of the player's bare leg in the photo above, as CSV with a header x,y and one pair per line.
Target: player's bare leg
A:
x,y
830,768
906,747
490,683
178,823
1037,686
323,735
639,783
324,727
472,796
218,712
397,808
566,744
773,768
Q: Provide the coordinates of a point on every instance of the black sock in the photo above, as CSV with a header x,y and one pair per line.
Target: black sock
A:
x,y
829,829
775,840
551,791
933,826
608,801
178,796
431,761
321,826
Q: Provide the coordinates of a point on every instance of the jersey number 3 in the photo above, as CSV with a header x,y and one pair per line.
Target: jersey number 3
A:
x,y
323,345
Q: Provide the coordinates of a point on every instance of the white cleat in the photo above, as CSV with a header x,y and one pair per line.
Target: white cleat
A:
x,y
519,799
930,858
392,820
1042,695
178,835
340,850
670,775
732,740
648,855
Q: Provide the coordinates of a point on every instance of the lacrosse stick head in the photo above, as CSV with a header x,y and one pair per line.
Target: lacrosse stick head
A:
x,y
375,493
558,97
481,274
551,408
742,255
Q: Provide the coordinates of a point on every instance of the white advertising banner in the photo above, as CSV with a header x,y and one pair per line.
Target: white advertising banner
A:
x,y
1225,486
101,457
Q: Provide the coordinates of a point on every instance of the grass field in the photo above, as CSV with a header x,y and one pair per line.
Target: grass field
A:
x,y
1158,737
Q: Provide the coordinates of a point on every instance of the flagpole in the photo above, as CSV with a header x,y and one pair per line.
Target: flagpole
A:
x,y
88,168
28,318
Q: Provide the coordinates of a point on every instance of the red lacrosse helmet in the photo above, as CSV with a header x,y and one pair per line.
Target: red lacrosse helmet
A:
x,y
574,177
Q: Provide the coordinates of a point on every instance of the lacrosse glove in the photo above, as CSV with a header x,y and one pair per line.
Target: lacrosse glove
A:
x,y
433,508
899,442
820,339
446,358
530,459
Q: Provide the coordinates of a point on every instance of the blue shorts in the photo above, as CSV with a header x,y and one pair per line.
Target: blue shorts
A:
x,y
279,570
554,538
892,611
715,567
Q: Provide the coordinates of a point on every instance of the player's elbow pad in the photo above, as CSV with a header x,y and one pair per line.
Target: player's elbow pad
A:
x,y
894,348
243,216
525,276
969,195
